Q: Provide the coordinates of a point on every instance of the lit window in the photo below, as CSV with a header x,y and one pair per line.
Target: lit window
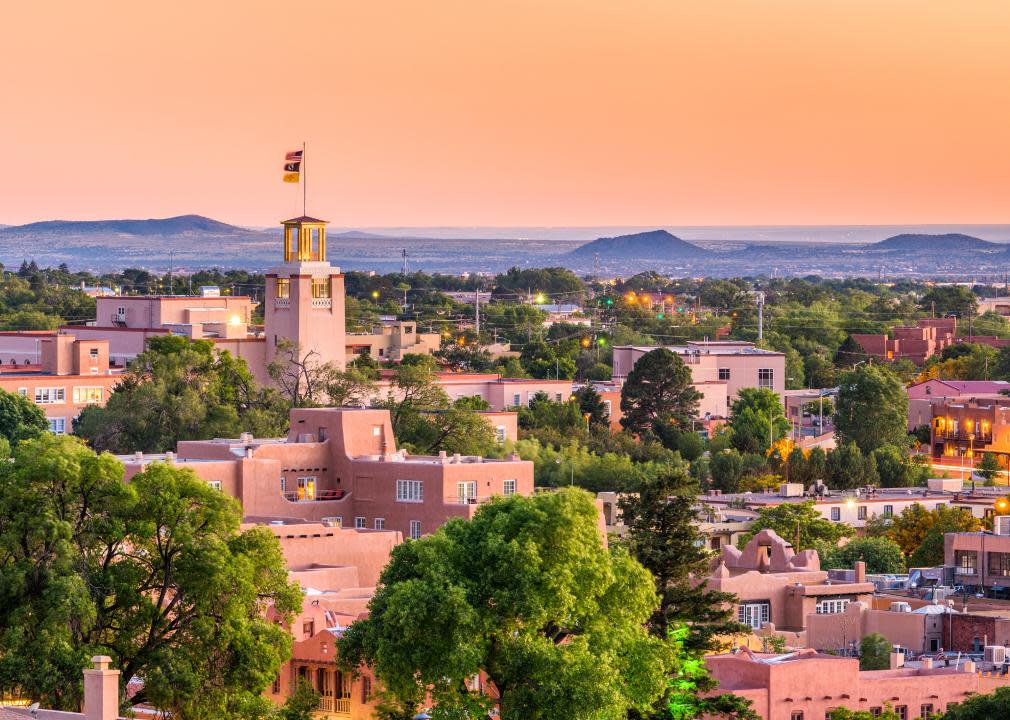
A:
x,y
321,288
214,485
415,529
283,288
410,490
508,487
89,395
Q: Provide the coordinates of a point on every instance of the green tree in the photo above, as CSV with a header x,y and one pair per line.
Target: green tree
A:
x,y
302,704
874,652
981,707
989,467
947,300
661,515
758,420
690,693
872,409
155,573
726,468
592,405
896,468
845,714
848,468
801,525
526,593
658,394
881,554
945,519
176,390
20,418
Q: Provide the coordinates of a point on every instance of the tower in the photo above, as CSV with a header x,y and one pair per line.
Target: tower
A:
x,y
305,296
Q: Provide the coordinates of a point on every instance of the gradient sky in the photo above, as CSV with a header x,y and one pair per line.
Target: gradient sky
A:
x,y
509,112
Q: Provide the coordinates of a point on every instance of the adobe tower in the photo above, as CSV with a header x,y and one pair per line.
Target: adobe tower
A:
x,y
305,295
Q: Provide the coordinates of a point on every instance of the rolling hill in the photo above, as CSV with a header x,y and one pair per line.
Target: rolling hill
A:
x,y
920,243
652,245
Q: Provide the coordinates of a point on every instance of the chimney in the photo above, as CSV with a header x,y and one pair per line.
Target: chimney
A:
x,y
927,663
101,690
897,659
860,571
170,457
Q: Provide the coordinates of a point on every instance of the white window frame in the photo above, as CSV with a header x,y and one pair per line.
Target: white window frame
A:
x,y
516,399
50,395
746,611
466,490
833,606
214,485
415,530
508,487
410,491
768,381
379,524
57,425
359,523
500,434
89,394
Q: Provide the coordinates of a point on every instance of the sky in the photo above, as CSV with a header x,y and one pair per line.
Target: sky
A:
x,y
508,112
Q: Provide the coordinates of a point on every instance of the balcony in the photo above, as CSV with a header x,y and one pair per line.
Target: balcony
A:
x,y
318,496
322,302
981,438
282,302
341,705
119,319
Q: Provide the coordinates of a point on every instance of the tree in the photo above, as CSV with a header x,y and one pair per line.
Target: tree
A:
x,y
301,376
591,404
954,300
179,389
874,652
758,420
20,418
662,520
872,409
726,468
658,392
349,388
945,519
881,555
526,593
981,707
155,573
845,714
989,467
801,525
690,693
896,469
848,468
466,354
302,704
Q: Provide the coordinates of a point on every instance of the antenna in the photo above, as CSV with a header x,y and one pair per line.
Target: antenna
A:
x,y
403,252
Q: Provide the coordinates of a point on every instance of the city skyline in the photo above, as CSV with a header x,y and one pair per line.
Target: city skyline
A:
x,y
531,114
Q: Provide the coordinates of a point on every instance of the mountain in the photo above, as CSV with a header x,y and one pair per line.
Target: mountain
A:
x,y
651,245
919,243
159,226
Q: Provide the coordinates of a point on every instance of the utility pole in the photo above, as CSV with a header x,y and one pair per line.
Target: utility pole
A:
x,y
476,311
403,252
759,297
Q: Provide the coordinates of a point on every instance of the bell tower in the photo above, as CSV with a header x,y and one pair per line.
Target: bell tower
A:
x,y
305,296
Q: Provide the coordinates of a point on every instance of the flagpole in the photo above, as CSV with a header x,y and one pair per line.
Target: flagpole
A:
x,y
305,179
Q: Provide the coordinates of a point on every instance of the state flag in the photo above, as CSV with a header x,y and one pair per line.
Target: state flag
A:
x,y
291,177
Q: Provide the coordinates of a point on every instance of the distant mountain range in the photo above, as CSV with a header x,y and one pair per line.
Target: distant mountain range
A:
x,y
651,245
194,241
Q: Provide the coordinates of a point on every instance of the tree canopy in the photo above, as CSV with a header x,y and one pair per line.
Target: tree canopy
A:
x,y
881,555
872,409
154,573
658,396
801,525
20,418
526,593
758,420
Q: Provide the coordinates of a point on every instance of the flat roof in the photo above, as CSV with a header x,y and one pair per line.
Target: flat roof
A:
x,y
705,349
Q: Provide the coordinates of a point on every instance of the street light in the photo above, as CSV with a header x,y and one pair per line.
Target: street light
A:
x,y
557,461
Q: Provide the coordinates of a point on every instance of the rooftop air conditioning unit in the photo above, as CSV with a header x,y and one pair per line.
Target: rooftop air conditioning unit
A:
x,y
901,607
1001,524
995,654
210,291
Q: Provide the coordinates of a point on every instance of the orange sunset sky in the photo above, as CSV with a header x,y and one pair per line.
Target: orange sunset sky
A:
x,y
514,112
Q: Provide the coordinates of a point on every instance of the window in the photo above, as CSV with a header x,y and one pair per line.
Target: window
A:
x,y
499,434
409,490
121,311
50,395
926,711
359,523
380,523
999,564
724,375
965,562
276,689
214,485
557,397
754,614
876,711
902,712
466,491
94,371
58,425
334,520
415,529
306,488
283,288
888,510
515,400
861,512
508,487
366,688
766,378
94,353
23,392
836,514
308,628
89,395
321,288
831,607
607,405
796,715
376,430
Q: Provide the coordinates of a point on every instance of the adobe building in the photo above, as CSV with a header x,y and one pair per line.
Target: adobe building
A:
x,y
981,560
922,630
392,340
60,373
341,466
101,697
778,589
924,395
732,364
971,426
807,685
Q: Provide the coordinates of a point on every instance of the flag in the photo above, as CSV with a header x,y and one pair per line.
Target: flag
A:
x,y
293,156
292,167
291,177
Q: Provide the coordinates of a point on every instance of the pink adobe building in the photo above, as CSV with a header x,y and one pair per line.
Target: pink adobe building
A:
x,y
341,465
778,590
60,373
916,343
923,395
807,685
